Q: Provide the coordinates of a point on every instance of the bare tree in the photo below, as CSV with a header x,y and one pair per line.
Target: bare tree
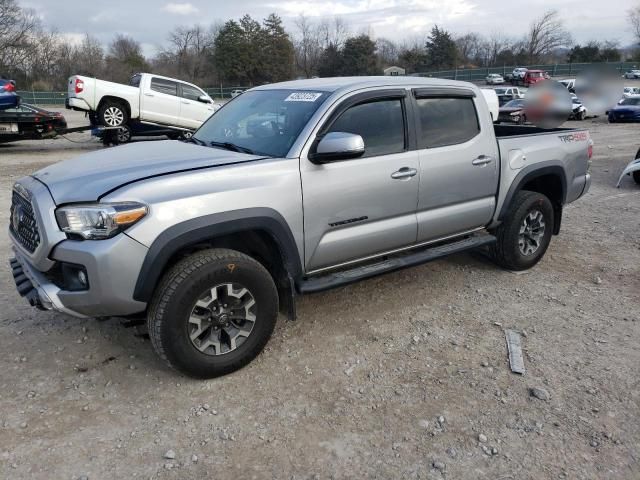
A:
x,y
17,27
546,34
634,21
308,46
387,52
469,46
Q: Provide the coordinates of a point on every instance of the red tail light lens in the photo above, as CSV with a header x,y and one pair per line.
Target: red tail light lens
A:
x,y
79,85
590,149
9,87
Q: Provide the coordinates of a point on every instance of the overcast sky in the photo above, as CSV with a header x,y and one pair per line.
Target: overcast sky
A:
x,y
148,21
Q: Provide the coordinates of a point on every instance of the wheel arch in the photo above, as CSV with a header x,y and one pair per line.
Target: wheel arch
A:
x,y
549,180
110,98
259,232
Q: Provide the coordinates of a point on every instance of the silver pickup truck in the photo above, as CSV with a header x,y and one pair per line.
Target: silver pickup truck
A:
x,y
290,188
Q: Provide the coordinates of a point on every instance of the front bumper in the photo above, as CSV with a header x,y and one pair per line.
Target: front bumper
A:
x,y
112,267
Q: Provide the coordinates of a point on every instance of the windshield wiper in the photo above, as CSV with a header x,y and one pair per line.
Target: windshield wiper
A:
x,y
195,140
231,146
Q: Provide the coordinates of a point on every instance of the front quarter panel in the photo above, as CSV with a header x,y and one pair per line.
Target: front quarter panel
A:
x,y
177,198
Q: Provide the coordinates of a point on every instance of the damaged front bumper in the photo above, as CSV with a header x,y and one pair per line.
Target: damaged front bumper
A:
x,y
39,291
634,166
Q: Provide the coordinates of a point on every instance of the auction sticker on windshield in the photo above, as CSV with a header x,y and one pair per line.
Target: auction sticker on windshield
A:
x,y
303,97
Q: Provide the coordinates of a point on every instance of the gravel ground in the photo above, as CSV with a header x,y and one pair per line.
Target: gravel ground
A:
x,y
402,376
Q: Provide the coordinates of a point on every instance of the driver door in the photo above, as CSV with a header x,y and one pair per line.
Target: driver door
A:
x,y
363,206
193,112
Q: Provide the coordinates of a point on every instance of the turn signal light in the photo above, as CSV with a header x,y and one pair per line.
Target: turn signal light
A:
x,y
79,85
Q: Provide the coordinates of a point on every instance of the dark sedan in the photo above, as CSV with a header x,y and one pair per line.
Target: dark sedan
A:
x,y
628,110
29,122
512,112
8,96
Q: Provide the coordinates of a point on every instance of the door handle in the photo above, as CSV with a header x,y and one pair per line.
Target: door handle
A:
x,y
186,103
148,95
482,160
404,172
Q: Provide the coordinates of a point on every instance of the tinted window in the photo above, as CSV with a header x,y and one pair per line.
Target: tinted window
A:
x,y
164,86
379,123
447,121
190,92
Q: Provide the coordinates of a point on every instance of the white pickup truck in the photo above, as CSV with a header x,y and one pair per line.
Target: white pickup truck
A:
x,y
148,98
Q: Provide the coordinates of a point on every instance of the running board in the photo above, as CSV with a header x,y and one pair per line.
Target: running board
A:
x,y
345,277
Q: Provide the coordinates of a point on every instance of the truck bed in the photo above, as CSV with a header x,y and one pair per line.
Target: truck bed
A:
x,y
505,130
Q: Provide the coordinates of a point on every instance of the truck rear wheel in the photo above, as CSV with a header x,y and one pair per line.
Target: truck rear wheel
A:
x,y
212,313
525,234
112,114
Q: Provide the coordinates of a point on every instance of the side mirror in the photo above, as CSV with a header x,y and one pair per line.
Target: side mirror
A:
x,y
337,146
204,99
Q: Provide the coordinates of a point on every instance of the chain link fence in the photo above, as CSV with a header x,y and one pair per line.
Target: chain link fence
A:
x,y
555,70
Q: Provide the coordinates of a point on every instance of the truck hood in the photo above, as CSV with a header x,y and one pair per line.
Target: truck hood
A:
x,y
87,177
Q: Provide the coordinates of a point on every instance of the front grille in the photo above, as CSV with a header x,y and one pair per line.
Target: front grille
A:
x,y
22,222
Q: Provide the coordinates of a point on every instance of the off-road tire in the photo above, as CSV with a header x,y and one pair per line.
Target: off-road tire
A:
x,y
175,297
506,251
111,109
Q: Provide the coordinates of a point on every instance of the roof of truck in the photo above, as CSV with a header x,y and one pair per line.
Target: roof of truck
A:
x,y
333,84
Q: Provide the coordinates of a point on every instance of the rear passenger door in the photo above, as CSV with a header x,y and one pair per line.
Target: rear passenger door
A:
x,y
363,206
160,102
458,163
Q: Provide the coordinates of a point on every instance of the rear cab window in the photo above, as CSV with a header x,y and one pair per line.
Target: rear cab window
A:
x,y
446,120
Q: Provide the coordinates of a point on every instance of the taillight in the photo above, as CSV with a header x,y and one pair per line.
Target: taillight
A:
x,y
590,149
79,85
9,87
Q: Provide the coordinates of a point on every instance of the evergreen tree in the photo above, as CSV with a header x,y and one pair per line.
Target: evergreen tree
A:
x,y
359,56
442,52
331,62
278,53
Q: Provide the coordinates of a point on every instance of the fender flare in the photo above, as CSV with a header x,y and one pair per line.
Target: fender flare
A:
x,y
531,173
201,229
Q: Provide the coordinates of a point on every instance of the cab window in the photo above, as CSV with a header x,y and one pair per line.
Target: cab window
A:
x,y
165,86
380,123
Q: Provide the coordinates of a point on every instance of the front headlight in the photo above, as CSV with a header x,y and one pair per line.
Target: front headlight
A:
x,y
98,221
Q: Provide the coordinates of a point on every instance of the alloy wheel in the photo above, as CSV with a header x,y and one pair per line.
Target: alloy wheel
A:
x,y
531,233
222,319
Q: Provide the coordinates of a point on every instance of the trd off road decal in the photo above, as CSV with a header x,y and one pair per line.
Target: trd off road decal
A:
x,y
574,137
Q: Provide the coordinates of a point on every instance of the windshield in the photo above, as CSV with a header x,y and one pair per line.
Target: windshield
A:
x,y
536,74
500,91
514,104
630,101
263,122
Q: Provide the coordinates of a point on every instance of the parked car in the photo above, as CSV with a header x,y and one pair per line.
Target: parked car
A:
x,y
628,110
235,93
506,94
632,74
630,92
148,98
210,239
513,112
570,84
26,122
578,110
534,76
494,79
518,74
8,96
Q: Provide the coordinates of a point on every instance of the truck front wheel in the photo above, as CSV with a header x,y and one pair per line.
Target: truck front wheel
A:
x,y
212,313
112,114
525,234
